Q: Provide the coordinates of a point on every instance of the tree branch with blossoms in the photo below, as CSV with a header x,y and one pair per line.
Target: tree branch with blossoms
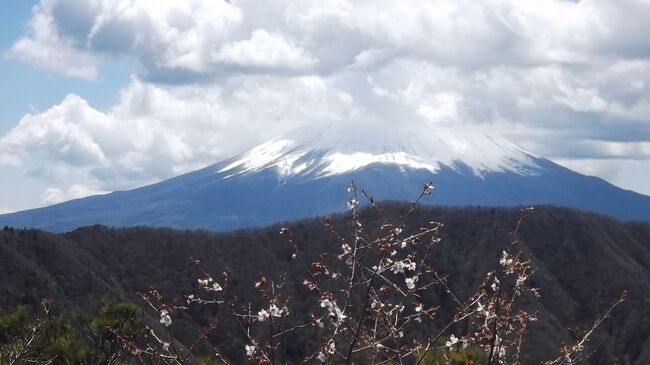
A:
x,y
372,297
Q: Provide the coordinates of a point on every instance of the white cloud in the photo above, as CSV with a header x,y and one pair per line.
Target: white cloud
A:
x,y
45,48
157,132
570,80
266,50
172,35
55,195
72,36
369,57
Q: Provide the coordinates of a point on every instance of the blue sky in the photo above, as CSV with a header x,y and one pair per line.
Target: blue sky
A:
x,y
108,95
27,89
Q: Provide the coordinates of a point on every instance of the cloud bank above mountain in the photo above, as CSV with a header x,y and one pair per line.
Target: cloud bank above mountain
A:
x,y
565,79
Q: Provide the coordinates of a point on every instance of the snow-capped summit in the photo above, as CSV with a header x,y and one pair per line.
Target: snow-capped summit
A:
x,y
344,148
306,173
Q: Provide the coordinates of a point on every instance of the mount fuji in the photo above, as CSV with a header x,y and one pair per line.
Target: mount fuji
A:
x,y
306,173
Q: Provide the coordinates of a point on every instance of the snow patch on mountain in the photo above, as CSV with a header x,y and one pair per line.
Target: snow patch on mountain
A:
x,y
337,149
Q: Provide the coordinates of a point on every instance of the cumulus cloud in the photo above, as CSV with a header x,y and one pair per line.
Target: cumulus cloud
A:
x,y
47,49
156,132
160,35
55,195
569,80
265,50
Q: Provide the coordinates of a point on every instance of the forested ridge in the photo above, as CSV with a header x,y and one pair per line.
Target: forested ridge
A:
x,y
583,262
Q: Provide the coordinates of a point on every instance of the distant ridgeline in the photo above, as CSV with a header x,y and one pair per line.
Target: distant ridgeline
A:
x,y
306,173
583,261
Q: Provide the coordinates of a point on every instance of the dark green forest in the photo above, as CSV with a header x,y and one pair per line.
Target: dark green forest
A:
x,y
583,263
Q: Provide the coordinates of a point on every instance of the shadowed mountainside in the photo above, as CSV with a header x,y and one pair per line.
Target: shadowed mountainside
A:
x,y
583,260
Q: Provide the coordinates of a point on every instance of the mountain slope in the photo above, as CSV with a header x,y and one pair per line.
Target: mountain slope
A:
x,y
583,262
306,173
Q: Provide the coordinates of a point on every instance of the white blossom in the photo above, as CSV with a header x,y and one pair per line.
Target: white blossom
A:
x,y
452,341
250,350
411,266
217,287
410,282
352,204
521,280
398,267
505,259
329,350
494,284
165,318
325,303
346,248
338,314
262,315
334,310
275,311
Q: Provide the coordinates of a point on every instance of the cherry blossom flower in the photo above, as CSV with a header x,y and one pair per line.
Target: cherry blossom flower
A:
x,y
452,341
346,248
325,303
262,315
275,311
398,267
250,350
334,310
165,318
410,282
494,284
327,351
411,266
505,259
